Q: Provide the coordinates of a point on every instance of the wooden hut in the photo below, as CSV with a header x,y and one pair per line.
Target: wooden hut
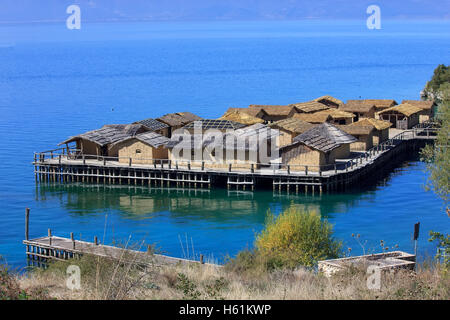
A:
x,y
318,146
330,115
178,120
381,132
254,112
380,104
96,142
359,109
276,112
242,117
428,108
403,116
155,125
309,106
289,129
329,101
143,148
364,134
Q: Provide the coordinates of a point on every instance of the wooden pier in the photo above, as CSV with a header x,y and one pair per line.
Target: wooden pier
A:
x,y
60,166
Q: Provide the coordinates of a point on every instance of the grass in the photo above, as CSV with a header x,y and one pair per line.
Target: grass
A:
x,y
103,279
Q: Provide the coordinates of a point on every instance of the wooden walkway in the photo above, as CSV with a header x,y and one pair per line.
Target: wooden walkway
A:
x,y
41,250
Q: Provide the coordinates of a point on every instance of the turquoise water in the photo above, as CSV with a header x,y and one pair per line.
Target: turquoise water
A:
x,y
55,83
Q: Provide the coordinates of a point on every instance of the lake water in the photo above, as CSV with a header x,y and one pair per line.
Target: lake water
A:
x,y
56,82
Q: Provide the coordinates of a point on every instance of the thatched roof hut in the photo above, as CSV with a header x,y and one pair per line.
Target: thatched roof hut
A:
x,y
318,146
154,125
381,132
95,142
380,104
364,134
254,112
289,129
402,116
428,108
276,112
315,117
324,137
329,101
241,117
359,108
309,106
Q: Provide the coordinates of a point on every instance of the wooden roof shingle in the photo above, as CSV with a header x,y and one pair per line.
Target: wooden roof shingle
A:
x,y
152,124
404,108
293,125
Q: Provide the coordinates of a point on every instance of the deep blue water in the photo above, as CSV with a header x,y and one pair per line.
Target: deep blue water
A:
x,y
56,82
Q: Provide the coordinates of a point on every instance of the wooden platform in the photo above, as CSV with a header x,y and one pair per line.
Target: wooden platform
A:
x,y
41,250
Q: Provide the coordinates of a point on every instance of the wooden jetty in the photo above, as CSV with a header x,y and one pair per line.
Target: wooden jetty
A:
x,y
60,165
41,250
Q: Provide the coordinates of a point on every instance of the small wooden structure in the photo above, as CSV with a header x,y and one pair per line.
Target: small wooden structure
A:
x,y
243,117
289,129
380,104
393,260
253,112
142,148
403,116
177,120
337,116
364,134
96,142
428,108
309,106
318,146
329,101
381,132
276,112
359,109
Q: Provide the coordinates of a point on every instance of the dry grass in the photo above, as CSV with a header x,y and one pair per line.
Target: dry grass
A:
x,y
106,280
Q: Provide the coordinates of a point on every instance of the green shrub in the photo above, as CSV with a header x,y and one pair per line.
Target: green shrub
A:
x,y
296,238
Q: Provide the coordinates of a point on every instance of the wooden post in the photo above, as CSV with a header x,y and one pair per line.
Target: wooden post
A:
x,y
229,167
201,259
306,170
27,220
288,169
96,240
203,165
73,240
130,161
50,236
253,168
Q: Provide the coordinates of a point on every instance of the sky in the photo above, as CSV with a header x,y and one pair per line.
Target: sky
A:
x,y
200,10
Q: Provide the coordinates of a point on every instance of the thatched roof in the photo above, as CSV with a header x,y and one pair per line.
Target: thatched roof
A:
x,y
404,108
241,117
425,105
378,124
219,124
357,106
357,130
152,124
309,106
293,125
324,137
108,134
336,114
313,117
178,119
324,99
275,110
379,103
255,112
150,138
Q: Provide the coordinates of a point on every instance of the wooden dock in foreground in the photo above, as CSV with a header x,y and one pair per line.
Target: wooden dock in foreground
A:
x,y
52,166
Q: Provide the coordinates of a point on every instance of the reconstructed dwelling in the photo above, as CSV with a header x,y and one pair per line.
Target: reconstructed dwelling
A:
x,y
403,116
242,117
289,129
359,109
380,104
155,125
142,148
319,146
381,132
427,107
177,120
276,112
338,116
364,134
309,106
329,101
96,142
254,112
